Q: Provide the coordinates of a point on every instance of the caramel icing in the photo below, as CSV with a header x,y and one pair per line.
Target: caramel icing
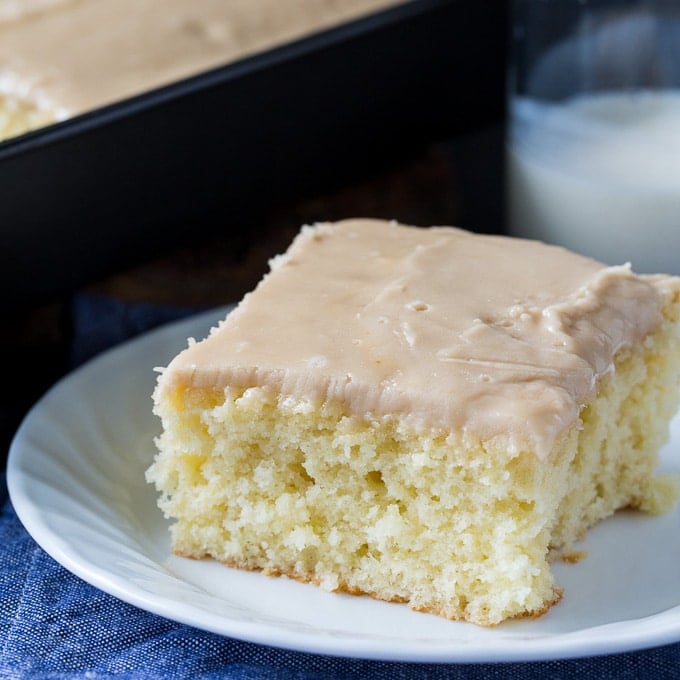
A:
x,y
494,336
72,56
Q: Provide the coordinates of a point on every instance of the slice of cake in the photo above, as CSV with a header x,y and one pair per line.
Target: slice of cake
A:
x,y
424,415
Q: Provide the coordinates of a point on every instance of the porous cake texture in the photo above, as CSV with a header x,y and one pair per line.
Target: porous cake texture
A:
x,y
424,415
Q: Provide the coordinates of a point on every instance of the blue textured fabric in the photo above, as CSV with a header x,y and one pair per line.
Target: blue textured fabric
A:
x,y
54,625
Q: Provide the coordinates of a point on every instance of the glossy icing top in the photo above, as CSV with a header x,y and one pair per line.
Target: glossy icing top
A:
x,y
71,56
499,337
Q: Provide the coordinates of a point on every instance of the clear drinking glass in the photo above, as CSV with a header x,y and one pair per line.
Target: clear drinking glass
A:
x,y
593,139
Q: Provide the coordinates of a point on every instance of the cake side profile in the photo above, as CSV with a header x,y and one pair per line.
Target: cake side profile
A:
x,y
423,415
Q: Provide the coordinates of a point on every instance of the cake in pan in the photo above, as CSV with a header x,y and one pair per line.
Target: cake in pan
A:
x,y
424,415
60,58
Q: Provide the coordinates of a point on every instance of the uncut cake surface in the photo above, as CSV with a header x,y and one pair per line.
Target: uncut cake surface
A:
x,y
62,58
424,415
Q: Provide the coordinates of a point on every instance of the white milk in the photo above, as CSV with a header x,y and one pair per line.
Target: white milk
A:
x,y
599,175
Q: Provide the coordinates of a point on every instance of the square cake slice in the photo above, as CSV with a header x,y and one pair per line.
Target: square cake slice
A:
x,y
424,415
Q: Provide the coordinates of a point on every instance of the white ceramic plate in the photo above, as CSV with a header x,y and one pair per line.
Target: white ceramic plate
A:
x,y
76,478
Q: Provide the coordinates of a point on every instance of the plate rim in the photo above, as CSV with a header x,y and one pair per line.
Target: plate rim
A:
x,y
616,637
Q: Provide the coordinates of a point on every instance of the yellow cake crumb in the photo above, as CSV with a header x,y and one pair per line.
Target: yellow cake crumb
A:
x,y
443,519
18,116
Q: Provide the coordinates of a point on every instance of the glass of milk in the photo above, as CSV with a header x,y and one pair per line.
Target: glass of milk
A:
x,y
593,139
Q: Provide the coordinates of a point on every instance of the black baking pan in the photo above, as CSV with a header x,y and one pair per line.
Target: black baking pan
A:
x,y
207,155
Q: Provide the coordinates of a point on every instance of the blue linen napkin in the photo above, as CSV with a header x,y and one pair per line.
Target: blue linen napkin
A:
x,y
54,625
